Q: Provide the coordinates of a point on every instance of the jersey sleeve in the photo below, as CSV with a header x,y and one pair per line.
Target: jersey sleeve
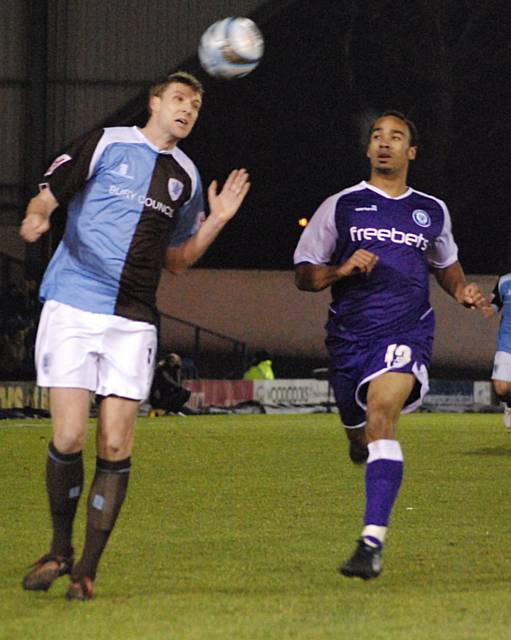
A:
x,y
70,171
191,214
444,250
318,240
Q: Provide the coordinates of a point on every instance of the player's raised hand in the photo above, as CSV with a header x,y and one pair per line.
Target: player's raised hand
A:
x,y
473,297
361,261
225,204
488,311
37,216
33,226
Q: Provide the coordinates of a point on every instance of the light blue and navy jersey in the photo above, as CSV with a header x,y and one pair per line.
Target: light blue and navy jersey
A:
x,y
501,300
408,233
127,202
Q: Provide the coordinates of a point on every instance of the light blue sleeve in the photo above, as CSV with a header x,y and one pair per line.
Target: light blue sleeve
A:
x,y
191,214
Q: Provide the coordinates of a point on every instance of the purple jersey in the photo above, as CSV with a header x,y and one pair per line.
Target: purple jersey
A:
x,y
408,233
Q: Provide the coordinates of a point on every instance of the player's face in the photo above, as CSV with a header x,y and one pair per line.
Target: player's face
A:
x,y
389,149
176,110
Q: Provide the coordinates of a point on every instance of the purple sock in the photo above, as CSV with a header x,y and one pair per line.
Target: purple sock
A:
x,y
384,472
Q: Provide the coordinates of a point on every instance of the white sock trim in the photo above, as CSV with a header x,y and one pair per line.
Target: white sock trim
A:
x,y
384,450
375,531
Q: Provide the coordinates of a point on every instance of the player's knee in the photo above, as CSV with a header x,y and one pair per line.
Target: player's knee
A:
x,y
112,445
380,422
69,442
111,448
502,387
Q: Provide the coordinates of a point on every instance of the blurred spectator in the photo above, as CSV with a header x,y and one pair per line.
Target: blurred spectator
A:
x,y
14,354
167,393
261,367
18,323
188,369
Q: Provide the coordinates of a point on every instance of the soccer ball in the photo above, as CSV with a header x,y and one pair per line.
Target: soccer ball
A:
x,y
231,48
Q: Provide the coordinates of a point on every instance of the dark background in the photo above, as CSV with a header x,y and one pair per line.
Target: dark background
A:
x,y
297,123
299,120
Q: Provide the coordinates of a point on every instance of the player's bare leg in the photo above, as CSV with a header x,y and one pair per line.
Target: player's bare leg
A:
x,y
385,399
503,392
70,410
115,433
64,481
358,450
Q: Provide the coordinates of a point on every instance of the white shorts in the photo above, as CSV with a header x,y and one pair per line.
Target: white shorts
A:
x,y
103,353
502,366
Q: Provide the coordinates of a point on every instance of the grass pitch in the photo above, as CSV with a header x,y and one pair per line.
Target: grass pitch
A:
x,y
234,525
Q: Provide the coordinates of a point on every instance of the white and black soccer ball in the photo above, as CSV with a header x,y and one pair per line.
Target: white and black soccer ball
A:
x,y
231,48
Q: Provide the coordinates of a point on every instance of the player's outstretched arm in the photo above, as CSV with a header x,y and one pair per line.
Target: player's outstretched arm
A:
x,y
314,277
223,206
37,216
452,280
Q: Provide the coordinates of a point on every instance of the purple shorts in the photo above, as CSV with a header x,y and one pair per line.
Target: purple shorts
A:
x,y
353,364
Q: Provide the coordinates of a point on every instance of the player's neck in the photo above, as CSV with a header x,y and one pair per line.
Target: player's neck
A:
x,y
160,140
394,185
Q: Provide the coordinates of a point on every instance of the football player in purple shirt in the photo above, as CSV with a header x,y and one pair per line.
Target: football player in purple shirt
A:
x,y
374,245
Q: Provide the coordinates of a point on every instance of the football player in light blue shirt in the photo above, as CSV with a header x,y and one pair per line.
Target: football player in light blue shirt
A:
x,y
501,375
135,206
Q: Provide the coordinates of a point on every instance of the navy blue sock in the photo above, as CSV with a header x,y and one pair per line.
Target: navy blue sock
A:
x,y
106,497
64,483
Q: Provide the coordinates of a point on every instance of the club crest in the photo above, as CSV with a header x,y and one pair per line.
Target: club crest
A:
x,y
421,218
175,188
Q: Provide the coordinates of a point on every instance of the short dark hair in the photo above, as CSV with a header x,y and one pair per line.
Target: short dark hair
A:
x,y
414,135
183,77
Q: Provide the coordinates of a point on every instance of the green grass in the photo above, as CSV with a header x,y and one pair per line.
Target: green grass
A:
x,y
234,525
